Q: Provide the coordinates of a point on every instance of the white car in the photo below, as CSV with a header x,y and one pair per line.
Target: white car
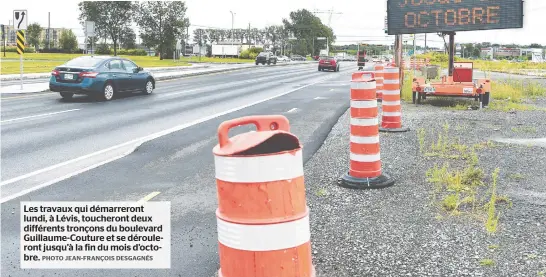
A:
x,y
283,59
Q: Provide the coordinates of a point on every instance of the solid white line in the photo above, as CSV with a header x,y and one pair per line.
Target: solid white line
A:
x,y
319,98
292,110
148,197
38,115
138,142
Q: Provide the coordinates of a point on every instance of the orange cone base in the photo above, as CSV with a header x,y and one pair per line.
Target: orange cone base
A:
x,y
394,130
313,273
350,182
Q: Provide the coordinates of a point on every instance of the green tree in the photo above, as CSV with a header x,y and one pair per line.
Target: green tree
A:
x,y
127,39
112,18
33,35
161,23
68,41
305,26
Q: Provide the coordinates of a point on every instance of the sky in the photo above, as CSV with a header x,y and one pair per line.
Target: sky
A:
x,y
352,21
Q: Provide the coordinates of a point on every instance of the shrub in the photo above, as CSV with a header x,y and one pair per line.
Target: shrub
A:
x,y
132,52
14,49
244,54
252,56
103,49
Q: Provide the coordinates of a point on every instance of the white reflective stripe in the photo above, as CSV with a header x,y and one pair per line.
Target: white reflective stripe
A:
x,y
267,237
391,70
254,169
391,82
379,78
362,85
365,140
392,114
365,158
391,92
364,121
391,103
364,104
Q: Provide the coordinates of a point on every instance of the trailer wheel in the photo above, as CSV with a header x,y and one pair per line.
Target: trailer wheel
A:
x,y
485,99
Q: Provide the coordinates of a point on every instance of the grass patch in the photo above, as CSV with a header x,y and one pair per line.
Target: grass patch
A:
x,y
516,176
45,62
407,87
524,129
492,216
462,189
493,246
322,192
487,262
508,106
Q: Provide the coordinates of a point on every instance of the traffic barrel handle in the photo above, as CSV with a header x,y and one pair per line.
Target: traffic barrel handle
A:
x,y
359,76
263,123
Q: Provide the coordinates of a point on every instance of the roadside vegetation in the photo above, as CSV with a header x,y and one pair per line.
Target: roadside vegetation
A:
x,y
460,185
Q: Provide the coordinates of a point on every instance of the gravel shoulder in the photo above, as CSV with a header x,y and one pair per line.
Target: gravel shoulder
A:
x,y
400,231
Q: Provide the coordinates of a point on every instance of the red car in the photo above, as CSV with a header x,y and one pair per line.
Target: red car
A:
x,y
329,63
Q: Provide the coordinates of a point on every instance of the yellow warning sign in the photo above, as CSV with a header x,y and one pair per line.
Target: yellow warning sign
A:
x,y
21,42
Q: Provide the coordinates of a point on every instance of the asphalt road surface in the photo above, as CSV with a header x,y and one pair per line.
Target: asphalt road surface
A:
x,y
43,135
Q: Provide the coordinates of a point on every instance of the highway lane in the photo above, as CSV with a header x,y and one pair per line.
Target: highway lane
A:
x,y
179,165
38,131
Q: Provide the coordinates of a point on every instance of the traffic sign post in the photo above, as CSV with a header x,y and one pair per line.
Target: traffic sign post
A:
x,y
20,23
90,33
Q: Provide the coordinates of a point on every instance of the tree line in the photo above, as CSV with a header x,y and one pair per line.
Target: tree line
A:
x,y
298,35
162,24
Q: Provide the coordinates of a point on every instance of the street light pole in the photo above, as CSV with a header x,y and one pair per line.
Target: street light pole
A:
x,y
232,16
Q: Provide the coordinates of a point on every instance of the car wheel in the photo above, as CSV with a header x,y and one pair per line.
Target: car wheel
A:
x,y
149,88
319,69
257,63
107,92
66,95
268,62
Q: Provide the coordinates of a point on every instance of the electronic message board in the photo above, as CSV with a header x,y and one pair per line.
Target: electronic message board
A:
x,y
434,16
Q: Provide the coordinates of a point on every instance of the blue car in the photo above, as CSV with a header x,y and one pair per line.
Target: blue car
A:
x,y
100,76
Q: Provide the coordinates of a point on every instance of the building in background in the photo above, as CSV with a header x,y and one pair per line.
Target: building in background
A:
x,y
55,33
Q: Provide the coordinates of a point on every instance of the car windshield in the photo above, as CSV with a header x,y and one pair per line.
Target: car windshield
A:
x,y
85,61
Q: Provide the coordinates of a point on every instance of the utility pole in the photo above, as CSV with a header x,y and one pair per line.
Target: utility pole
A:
x,y
425,43
232,19
414,55
398,58
248,36
48,29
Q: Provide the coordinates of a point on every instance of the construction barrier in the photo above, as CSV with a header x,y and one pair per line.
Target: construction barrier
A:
x,y
379,80
262,215
365,159
391,107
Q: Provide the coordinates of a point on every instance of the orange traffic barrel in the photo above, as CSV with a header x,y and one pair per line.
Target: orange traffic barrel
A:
x,y
391,120
365,159
379,80
262,215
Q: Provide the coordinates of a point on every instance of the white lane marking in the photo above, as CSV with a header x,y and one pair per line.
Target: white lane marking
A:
x,y
148,197
135,143
292,110
319,98
38,115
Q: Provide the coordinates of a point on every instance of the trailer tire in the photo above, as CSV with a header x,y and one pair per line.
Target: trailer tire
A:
x,y
419,98
485,99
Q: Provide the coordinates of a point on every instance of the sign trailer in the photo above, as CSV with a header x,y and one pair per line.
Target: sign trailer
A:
x,y
447,17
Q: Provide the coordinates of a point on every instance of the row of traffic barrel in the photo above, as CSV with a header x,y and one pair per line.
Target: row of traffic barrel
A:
x,y
263,216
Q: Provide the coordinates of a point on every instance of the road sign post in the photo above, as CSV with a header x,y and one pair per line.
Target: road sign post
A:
x,y
20,23
90,33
